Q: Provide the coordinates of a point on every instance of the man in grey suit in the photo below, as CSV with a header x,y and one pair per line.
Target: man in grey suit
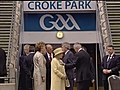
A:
x,y
68,60
83,71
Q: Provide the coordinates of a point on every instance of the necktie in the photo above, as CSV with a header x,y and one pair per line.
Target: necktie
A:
x,y
108,61
109,57
50,57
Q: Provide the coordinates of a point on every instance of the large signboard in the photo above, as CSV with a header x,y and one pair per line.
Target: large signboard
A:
x,y
60,21
59,5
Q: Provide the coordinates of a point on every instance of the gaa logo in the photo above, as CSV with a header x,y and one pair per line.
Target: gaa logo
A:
x,y
55,23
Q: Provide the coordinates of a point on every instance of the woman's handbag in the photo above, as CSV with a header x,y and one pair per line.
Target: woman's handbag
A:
x,y
67,83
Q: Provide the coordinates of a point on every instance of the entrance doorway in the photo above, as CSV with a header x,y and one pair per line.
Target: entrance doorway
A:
x,y
91,49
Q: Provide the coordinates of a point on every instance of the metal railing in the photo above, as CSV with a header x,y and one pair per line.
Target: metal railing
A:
x,y
104,22
13,48
101,41
10,41
15,39
107,23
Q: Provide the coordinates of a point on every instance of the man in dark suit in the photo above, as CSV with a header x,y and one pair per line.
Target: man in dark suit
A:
x,y
48,56
83,72
68,60
28,67
110,65
3,70
92,66
22,74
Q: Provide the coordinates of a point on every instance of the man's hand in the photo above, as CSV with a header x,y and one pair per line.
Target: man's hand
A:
x,y
105,71
93,81
108,71
74,79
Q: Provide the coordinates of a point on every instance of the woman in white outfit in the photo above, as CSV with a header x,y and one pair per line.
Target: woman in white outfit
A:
x,y
39,74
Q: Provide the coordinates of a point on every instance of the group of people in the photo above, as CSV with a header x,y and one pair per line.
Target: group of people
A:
x,y
45,69
41,68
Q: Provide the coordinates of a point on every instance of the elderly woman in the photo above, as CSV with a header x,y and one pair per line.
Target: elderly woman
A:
x,y
39,74
58,75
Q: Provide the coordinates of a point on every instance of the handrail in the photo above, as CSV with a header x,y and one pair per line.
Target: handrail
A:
x,y
105,28
10,39
7,77
102,53
108,26
18,48
14,40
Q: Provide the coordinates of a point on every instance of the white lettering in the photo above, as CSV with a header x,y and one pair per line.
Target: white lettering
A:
x,y
59,5
55,23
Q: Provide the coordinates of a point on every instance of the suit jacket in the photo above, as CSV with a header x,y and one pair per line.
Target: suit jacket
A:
x,y
21,60
28,65
114,65
48,71
83,71
69,60
3,70
48,63
92,68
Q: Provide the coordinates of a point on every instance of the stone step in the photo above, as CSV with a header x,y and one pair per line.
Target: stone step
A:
x,y
116,43
4,32
5,20
116,40
4,23
117,22
6,17
3,35
113,16
115,31
5,14
112,5
113,8
4,46
114,25
4,29
114,19
5,26
113,11
6,1
5,6
6,86
4,40
6,9
117,13
112,2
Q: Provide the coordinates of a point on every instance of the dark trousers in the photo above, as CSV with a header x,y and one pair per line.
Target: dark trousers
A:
x,y
29,83
71,85
106,85
22,83
83,85
48,80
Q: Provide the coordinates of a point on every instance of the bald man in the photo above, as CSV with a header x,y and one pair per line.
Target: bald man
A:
x,y
48,56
